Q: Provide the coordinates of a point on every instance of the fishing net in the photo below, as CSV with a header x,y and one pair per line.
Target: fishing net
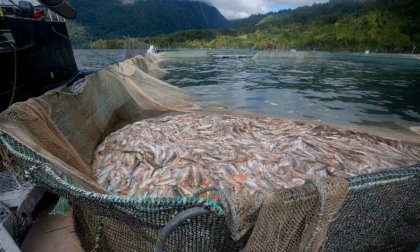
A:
x,y
283,55
177,55
51,140
133,47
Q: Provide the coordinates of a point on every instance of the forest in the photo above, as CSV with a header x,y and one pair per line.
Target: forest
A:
x,y
110,19
339,25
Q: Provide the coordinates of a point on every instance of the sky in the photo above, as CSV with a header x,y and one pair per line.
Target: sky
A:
x,y
234,9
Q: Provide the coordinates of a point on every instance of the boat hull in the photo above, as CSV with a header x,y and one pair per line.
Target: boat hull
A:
x,y
43,59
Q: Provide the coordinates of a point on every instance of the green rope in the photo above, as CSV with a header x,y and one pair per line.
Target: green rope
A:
x,y
61,207
63,203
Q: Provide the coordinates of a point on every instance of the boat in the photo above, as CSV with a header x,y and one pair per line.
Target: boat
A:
x,y
293,48
35,50
35,56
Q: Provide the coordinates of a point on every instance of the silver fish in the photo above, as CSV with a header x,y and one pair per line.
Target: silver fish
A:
x,y
179,154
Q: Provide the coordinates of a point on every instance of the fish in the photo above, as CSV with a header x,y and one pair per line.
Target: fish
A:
x,y
178,155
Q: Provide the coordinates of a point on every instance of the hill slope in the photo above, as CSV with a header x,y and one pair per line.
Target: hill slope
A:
x,y
352,25
107,19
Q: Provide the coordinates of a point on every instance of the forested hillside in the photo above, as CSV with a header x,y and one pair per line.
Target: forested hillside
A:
x,y
344,25
107,19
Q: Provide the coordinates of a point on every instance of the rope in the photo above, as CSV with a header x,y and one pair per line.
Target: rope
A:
x,y
230,204
62,35
70,81
12,2
175,222
112,59
15,75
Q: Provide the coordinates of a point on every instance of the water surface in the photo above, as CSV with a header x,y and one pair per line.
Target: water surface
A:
x,y
380,91
377,91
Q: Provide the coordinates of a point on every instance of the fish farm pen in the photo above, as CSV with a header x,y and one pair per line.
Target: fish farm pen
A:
x,y
145,167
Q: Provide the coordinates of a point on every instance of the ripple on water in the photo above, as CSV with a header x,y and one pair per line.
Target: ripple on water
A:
x,y
378,91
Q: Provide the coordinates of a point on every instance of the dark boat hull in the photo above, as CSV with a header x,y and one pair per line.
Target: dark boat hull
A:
x,y
44,59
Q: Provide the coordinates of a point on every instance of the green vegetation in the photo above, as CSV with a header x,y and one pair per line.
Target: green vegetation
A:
x,y
344,25
109,19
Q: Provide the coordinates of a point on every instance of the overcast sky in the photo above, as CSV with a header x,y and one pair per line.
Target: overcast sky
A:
x,y
233,9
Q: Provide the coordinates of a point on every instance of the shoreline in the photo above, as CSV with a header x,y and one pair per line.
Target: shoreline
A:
x,y
417,53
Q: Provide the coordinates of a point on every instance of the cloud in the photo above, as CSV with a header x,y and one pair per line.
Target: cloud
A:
x,y
233,9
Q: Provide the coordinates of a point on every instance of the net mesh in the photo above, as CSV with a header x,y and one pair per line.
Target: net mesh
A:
x,y
379,213
50,141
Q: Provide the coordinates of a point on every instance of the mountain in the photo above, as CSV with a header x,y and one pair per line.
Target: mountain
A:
x,y
107,19
339,25
383,25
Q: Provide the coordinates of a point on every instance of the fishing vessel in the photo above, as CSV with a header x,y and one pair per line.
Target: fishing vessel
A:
x,y
35,49
35,56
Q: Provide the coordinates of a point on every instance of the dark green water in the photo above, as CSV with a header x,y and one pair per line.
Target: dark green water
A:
x,y
380,91
377,91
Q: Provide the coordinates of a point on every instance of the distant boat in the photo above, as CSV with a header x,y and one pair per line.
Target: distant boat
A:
x,y
367,52
293,48
269,46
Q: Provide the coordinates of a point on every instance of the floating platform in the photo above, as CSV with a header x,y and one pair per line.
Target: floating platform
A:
x,y
234,56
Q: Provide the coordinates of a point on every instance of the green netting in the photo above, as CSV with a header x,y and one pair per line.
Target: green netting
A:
x,y
370,212
111,223
380,213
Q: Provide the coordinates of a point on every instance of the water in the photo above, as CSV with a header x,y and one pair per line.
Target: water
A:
x,y
377,91
91,60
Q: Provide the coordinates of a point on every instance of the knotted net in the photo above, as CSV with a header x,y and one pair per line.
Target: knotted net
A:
x,y
51,140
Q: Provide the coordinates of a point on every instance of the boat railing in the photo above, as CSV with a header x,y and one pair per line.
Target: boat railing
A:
x,y
8,10
54,16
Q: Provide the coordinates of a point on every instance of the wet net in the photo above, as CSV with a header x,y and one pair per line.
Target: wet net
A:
x,y
50,141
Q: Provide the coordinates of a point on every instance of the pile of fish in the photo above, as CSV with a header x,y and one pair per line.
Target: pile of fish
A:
x,y
179,155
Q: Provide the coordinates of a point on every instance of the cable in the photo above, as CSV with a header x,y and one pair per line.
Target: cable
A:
x,y
113,60
12,2
15,74
62,35
70,81
174,223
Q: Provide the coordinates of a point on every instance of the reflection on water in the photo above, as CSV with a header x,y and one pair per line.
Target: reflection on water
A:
x,y
370,90
379,91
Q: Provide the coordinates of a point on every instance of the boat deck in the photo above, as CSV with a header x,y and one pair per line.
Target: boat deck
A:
x,y
52,234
